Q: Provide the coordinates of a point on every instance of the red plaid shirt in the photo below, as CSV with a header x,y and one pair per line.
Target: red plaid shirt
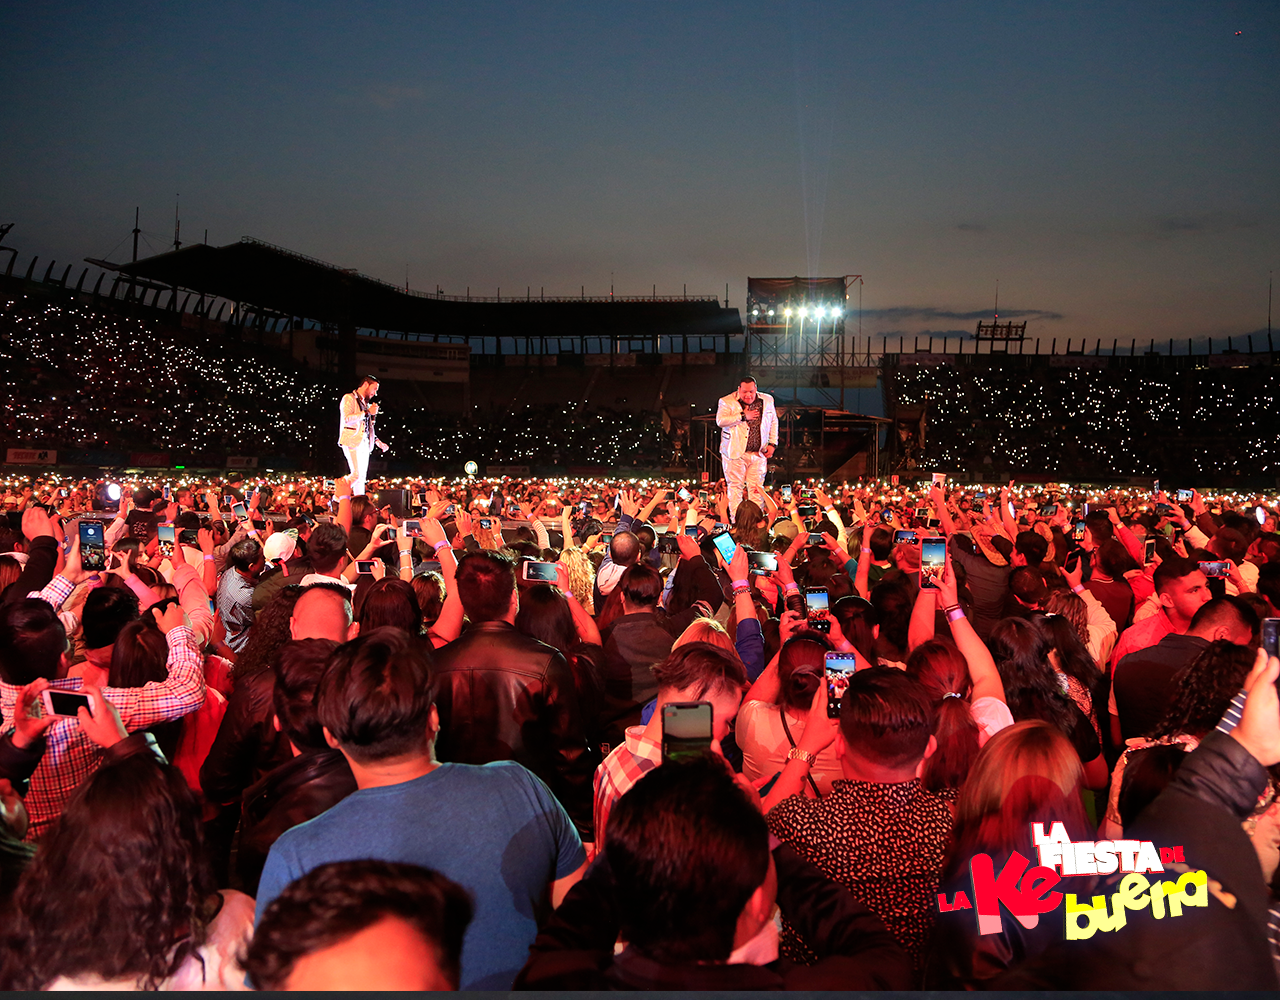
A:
x,y
616,774
70,756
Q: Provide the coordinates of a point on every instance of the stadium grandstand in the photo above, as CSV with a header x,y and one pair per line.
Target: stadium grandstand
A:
x,y
206,356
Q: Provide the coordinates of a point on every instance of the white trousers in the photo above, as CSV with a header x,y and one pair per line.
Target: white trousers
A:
x,y
745,479
358,464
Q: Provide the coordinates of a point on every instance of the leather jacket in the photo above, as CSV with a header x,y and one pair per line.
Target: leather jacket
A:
x,y
291,794
248,745
504,696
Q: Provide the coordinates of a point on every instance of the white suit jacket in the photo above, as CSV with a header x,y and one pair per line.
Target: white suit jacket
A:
x,y
734,430
351,424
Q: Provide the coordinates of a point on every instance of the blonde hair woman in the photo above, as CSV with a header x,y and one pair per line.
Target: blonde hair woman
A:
x,y
582,576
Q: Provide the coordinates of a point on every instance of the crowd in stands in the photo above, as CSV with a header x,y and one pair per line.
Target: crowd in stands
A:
x,y
538,435
557,735
75,378
79,379
1086,424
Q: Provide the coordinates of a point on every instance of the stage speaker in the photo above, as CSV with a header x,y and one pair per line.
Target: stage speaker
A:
x,y
398,500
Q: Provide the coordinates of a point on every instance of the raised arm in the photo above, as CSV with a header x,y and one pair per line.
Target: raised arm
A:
x,y
939,501
342,492
982,668
181,693
566,527
449,625
194,599
1006,519
819,733
863,576
923,618
646,512
1127,538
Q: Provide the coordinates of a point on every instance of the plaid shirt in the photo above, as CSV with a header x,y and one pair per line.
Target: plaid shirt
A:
x,y
616,774
70,756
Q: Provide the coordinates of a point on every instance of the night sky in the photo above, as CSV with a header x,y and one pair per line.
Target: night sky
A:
x,y
1115,166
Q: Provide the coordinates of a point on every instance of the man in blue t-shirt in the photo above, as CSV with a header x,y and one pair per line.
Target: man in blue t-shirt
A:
x,y
495,829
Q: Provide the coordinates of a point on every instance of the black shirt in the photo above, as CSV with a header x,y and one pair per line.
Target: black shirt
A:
x,y
1146,679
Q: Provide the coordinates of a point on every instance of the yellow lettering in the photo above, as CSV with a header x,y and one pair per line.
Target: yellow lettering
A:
x,y
1157,900
1200,882
1096,916
1074,911
1132,894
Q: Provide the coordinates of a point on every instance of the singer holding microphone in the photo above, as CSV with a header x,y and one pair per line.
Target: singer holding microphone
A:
x,y
356,435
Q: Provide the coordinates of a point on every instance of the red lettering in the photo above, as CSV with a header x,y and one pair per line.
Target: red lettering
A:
x,y
961,902
1025,902
1177,854
1035,889
1166,855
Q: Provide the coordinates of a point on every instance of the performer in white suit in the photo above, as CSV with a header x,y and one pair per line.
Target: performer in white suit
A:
x,y
356,435
748,436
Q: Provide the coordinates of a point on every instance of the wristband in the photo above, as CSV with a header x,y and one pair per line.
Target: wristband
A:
x,y
955,614
208,559
865,549
568,594
740,583
440,545
791,588
1077,588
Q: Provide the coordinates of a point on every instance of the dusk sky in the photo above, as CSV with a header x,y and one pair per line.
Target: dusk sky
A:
x,y
1115,166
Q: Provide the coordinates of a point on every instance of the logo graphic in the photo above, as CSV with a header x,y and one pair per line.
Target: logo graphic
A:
x,y
1026,892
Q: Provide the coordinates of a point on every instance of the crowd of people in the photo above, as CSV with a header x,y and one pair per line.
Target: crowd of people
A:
x,y
1161,418
537,435
75,378
574,734
80,379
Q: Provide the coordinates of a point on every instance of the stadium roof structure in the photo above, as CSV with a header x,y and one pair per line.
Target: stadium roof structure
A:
x,y
269,277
